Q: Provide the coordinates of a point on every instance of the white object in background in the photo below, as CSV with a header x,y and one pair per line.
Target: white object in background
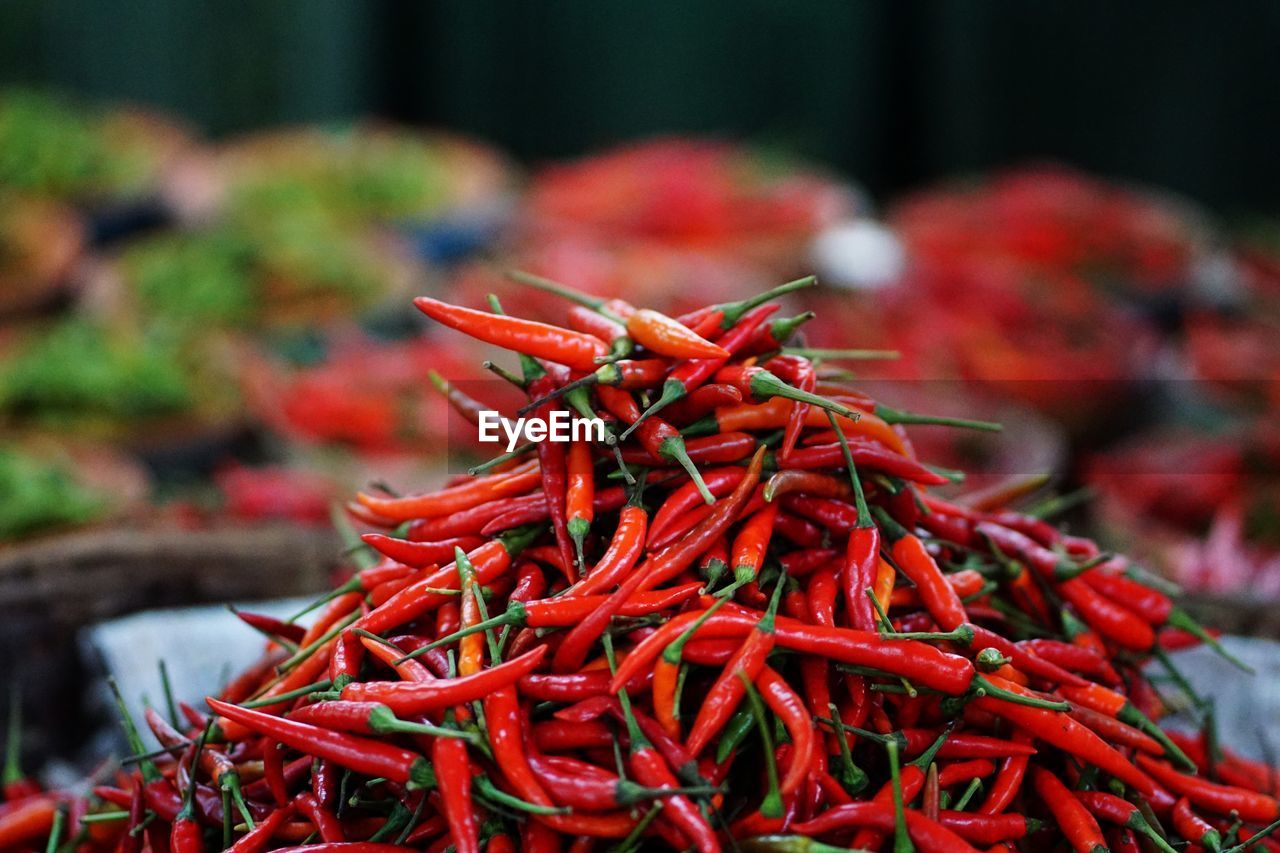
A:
x,y
1247,706
859,255
201,647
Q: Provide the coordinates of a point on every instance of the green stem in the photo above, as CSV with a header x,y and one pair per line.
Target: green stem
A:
x,y
1179,618
150,773
305,690
733,311
498,460
859,497
995,692
673,448
595,303
897,416
901,841
843,354
771,805
672,390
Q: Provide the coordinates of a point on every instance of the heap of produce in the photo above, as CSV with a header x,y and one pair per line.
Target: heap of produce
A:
x,y
743,618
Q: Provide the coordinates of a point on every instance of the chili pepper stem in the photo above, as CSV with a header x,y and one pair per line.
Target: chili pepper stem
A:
x,y
733,311
546,285
771,805
901,841
843,354
672,390
897,416
1179,618
989,689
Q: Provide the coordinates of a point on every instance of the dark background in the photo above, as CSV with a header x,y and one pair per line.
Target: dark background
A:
x,y
1181,94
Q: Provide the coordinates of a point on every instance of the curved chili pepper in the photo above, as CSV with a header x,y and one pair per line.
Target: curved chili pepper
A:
x,y
418,554
1058,729
406,697
360,754
913,560
789,707
1195,828
1123,813
1252,806
472,493
1075,821
529,337
665,336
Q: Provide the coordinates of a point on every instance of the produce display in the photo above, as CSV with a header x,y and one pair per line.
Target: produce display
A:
x,y
741,617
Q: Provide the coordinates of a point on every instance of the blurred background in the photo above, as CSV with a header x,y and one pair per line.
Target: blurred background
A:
x,y
1065,217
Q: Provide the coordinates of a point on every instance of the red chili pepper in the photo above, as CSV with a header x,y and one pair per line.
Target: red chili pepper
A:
x,y
913,560
480,490
789,707
1253,807
657,569
745,666
416,554
360,754
1080,828
452,767
579,495
420,697
1058,729
562,346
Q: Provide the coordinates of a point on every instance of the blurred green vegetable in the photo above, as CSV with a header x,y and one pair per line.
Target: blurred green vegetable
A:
x,y
52,146
78,369
36,494
229,277
355,175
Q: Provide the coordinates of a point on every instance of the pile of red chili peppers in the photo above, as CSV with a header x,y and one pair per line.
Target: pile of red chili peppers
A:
x,y
743,621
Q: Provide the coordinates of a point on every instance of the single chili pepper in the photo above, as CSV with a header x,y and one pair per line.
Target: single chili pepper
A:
x,y
1251,806
623,552
665,336
751,543
257,838
865,455
1194,828
578,497
1058,729
723,697
419,554
703,401
452,766
1121,812
321,818
472,493
1072,657
529,337
419,697
271,626
913,560
360,754
1075,821
790,708
29,820
929,835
